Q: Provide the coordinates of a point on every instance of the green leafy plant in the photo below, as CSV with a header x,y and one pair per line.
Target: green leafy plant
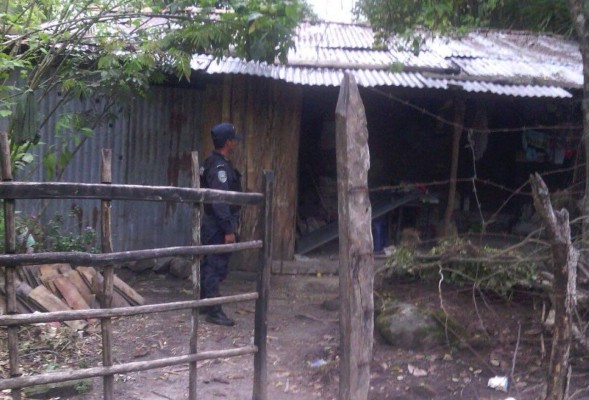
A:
x,y
59,237
463,263
83,386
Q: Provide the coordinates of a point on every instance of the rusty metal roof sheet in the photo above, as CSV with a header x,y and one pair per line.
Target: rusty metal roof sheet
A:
x,y
503,63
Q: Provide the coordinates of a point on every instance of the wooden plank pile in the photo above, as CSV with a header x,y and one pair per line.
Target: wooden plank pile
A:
x,y
59,287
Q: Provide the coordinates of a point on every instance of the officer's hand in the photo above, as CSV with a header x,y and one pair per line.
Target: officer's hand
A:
x,y
230,238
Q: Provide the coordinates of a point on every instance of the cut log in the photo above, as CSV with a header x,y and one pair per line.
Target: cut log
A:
x,y
47,301
70,293
128,293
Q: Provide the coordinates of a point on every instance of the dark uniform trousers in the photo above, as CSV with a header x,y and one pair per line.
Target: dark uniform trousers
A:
x,y
219,219
215,267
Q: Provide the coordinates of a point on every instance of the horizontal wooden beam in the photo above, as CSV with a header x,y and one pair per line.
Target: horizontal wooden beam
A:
x,y
62,376
97,260
71,315
67,190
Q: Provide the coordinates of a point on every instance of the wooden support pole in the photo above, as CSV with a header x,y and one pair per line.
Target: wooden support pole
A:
x,y
93,313
108,274
196,217
356,269
564,258
10,271
459,111
63,376
263,288
96,260
69,190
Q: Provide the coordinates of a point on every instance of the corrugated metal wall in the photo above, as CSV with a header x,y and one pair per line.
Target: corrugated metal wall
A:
x,y
151,142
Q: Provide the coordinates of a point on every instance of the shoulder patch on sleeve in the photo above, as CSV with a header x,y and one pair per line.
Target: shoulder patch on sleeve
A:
x,y
222,175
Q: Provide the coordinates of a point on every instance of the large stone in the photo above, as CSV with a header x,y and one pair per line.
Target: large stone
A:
x,y
142,265
409,327
162,265
180,267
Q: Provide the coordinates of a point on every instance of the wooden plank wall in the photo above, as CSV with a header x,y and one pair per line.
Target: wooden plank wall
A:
x,y
268,113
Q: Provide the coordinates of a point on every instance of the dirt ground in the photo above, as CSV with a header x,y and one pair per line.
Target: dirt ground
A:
x,y
505,339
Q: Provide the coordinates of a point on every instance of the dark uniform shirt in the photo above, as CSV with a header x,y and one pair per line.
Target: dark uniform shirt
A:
x,y
218,173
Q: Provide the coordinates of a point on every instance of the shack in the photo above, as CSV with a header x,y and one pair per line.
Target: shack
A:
x,y
520,94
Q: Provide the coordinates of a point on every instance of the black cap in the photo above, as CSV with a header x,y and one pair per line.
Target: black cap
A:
x,y
223,132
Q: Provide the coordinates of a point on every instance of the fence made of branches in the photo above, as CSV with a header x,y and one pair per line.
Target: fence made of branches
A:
x,y
105,192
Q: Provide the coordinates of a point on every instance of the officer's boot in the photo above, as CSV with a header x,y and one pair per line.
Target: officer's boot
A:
x,y
218,317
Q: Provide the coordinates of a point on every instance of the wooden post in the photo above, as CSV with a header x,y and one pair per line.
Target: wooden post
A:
x,y
196,216
261,318
108,273
459,111
356,269
10,272
564,259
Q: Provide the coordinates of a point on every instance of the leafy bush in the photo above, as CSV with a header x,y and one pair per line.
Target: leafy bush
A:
x,y
59,238
55,236
463,263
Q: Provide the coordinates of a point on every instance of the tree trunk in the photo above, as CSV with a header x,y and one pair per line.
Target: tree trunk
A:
x,y
459,111
564,258
356,269
580,16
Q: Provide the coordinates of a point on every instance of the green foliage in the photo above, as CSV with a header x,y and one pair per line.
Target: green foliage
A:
x,y
58,237
83,386
412,19
28,231
538,15
55,236
469,265
111,50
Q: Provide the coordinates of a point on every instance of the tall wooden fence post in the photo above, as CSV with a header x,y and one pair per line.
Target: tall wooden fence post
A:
x,y
356,261
564,259
10,272
459,112
196,216
108,273
261,319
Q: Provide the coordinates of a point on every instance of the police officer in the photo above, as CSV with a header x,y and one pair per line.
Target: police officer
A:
x,y
220,220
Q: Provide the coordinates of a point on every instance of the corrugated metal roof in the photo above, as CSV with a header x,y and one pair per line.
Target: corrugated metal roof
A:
x,y
334,35
504,63
522,90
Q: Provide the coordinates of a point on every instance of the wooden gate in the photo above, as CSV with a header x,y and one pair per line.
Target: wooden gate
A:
x,y
105,192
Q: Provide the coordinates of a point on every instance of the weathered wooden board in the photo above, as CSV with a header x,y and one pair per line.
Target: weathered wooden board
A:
x,y
47,301
269,114
95,281
47,274
70,293
64,268
30,274
76,279
48,271
128,293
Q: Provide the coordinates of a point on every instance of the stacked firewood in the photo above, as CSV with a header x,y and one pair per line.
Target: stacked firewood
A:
x,y
59,287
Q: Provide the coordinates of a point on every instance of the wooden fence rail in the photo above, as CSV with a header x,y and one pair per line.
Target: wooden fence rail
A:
x,y
106,192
